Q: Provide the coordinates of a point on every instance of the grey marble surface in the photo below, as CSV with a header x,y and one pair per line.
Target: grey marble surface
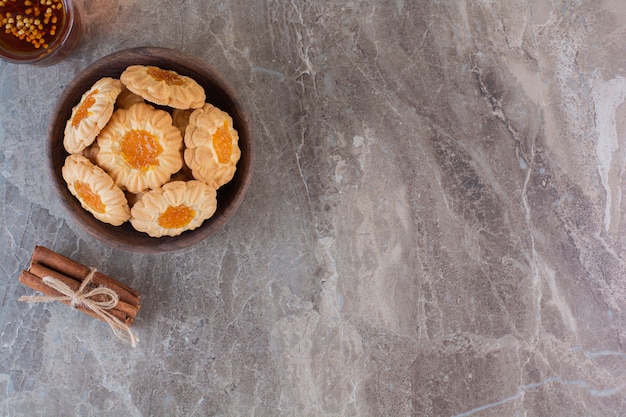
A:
x,y
435,226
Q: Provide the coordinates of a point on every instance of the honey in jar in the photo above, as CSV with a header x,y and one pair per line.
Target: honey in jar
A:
x,y
37,31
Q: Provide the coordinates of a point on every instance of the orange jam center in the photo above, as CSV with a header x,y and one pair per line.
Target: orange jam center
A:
x,y
169,77
140,149
222,143
88,197
176,217
83,110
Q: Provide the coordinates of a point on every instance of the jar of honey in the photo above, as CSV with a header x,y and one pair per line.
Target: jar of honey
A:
x,y
40,32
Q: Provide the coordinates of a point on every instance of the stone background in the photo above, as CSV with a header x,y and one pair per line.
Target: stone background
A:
x,y
434,228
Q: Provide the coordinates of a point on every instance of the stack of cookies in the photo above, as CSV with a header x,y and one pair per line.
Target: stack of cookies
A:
x,y
147,148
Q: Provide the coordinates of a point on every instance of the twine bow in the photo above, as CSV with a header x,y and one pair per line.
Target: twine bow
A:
x,y
78,298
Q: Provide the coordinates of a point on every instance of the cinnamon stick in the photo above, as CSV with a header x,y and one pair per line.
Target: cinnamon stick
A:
x,y
36,283
122,310
77,271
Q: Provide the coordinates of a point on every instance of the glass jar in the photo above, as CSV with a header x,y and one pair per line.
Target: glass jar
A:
x,y
39,32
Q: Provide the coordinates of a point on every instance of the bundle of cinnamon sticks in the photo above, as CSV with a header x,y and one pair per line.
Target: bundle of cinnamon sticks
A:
x,y
47,263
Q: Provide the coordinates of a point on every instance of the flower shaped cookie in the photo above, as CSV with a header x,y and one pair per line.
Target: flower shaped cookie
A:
x,y
127,98
91,153
174,208
95,190
212,149
140,148
164,87
91,114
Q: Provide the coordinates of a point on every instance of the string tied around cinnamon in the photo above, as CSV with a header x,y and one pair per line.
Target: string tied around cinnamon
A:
x,y
86,299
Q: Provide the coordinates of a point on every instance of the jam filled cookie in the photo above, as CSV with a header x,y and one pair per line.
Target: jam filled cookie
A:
x,y
140,148
127,99
176,207
212,149
91,114
91,153
163,87
95,190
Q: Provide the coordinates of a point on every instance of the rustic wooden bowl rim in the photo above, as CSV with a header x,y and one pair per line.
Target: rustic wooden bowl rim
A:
x,y
219,93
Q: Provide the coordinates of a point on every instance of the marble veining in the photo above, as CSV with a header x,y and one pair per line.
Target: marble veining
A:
x,y
434,228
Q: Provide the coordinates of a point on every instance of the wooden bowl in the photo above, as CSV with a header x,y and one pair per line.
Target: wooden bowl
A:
x,y
218,92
